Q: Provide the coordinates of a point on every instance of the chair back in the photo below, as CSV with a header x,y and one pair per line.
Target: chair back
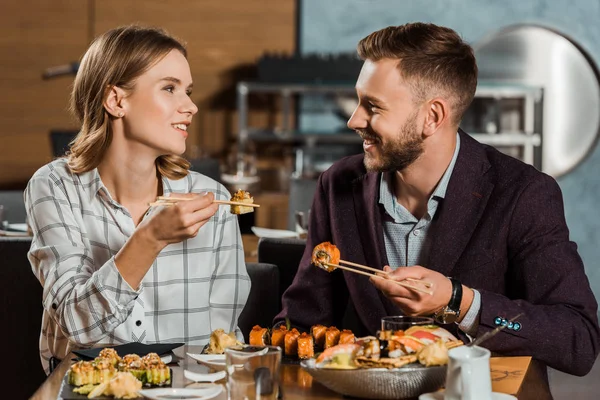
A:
x,y
13,205
264,301
286,255
302,191
20,319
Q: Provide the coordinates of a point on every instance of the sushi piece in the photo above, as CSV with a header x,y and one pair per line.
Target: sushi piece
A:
x,y
219,341
370,347
241,196
341,356
82,373
133,363
278,336
291,343
430,333
104,370
332,337
403,345
110,354
318,334
157,372
306,348
259,336
325,253
346,336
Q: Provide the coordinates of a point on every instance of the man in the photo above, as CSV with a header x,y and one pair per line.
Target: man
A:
x,y
486,231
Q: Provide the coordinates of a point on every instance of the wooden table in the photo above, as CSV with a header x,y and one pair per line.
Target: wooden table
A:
x,y
514,375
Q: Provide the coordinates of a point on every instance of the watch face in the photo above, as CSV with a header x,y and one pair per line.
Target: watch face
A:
x,y
446,316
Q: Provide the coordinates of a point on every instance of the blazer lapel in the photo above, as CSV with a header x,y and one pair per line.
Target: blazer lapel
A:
x,y
468,192
368,217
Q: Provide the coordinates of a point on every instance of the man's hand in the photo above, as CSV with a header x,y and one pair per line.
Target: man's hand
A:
x,y
414,303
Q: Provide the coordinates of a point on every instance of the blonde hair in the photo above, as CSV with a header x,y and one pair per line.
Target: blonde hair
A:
x,y
116,58
433,59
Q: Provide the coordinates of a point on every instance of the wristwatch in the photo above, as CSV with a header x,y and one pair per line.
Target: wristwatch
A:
x,y
450,313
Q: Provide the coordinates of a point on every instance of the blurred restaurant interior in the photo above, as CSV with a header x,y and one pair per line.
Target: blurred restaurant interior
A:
x,y
274,85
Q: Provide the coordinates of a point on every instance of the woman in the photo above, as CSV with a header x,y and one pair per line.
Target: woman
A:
x,y
113,269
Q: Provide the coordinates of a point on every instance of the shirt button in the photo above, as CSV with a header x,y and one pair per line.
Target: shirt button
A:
x,y
416,232
138,322
54,306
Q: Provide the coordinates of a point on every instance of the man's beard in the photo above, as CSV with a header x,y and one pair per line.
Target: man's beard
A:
x,y
398,154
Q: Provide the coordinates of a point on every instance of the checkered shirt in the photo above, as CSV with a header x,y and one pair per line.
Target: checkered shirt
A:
x,y
192,288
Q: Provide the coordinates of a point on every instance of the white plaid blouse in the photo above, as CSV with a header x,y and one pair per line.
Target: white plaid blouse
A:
x,y
192,288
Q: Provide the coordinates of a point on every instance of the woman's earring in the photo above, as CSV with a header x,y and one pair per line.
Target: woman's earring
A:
x,y
121,115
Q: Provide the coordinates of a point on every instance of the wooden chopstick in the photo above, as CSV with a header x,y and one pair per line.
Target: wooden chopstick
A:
x,y
406,285
424,283
169,201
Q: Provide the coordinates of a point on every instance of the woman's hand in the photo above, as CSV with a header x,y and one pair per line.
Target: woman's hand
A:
x,y
173,224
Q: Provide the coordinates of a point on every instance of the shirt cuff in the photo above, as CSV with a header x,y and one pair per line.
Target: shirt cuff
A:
x,y
470,322
109,280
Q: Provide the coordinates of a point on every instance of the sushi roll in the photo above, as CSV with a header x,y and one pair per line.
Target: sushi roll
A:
x,y
341,356
157,372
306,348
259,336
291,343
111,355
318,333
346,336
326,256
82,373
278,336
332,337
104,370
133,363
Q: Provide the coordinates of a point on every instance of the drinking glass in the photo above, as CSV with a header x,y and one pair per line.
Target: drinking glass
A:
x,y
401,322
253,372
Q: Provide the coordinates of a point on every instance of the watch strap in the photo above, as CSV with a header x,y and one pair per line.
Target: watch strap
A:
x,y
456,297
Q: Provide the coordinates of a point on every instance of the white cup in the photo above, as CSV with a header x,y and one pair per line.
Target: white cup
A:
x,y
468,374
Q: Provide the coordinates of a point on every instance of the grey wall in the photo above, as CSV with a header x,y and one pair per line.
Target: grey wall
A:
x,y
330,26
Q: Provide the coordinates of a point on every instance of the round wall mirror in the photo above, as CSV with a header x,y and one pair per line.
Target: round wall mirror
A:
x,y
537,56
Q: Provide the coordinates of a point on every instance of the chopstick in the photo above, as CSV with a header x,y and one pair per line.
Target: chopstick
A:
x,y
171,201
424,283
406,285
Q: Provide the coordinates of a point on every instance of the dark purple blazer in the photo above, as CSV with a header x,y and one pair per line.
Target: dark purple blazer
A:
x,y
500,229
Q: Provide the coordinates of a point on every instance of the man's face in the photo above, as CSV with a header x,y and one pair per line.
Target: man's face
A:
x,y
386,118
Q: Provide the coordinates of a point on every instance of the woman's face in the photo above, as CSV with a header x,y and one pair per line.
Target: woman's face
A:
x,y
159,109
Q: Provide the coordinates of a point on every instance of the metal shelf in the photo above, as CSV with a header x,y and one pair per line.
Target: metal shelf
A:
x,y
529,140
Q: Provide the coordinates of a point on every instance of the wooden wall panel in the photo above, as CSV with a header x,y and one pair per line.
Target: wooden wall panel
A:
x,y
35,35
224,40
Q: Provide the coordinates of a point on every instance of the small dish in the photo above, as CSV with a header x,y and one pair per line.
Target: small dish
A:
x,y
204,393
213,361
440,396
273,233
197,377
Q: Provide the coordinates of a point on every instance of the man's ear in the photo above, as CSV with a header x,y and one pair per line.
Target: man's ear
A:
x,y
114,101
437,112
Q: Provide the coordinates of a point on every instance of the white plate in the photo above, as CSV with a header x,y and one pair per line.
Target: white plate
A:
x,y
196,377
17,227
440,396
214,361
273,233
182,393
